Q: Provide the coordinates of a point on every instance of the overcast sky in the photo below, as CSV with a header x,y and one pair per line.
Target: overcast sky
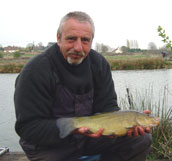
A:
x,y
27,21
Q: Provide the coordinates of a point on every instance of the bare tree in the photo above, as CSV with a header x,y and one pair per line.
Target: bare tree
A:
x,y
132,44
128,44
30,46
101,48
152,46
98,47
104,48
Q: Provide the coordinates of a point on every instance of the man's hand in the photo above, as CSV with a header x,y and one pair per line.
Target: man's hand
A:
x,y
85,131
139,130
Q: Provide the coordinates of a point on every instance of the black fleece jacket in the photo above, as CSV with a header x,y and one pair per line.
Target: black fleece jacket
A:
x,y
36,85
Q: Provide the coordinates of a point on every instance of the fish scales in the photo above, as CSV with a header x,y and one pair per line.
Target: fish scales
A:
x,y
113,123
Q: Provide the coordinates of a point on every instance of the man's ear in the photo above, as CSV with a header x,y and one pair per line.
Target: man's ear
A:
x,y
58,39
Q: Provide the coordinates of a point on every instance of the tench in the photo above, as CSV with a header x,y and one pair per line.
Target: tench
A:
x,y
114,123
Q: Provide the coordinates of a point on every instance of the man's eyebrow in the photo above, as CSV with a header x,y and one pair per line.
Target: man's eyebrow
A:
x,y
86,38
70,36
83,38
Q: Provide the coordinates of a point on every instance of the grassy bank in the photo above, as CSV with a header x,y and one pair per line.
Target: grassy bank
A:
x,y
123,62
139,63
11,68
12,65
162,135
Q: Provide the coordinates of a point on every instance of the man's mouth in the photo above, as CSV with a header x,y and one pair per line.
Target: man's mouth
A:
x,y
75,58
76,55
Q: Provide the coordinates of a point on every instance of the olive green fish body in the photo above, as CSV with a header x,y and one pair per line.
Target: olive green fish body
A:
x,y
113,123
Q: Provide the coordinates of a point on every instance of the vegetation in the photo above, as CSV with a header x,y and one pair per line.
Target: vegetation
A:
x,y
11,64
162,135
11,68
139,63
1,55
16,54
162,139
165,39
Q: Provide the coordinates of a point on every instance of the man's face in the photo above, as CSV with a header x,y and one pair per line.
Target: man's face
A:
x,y
75,41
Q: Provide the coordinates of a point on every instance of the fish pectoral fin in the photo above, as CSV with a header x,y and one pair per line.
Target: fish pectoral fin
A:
x,y
139,124
130,127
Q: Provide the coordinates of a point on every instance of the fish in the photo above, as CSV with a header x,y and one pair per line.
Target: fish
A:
x,y
115,123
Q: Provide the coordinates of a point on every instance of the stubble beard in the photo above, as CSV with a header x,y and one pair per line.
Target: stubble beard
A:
x,y
75,61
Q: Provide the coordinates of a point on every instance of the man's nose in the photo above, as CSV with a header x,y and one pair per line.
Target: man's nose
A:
x,y
78,45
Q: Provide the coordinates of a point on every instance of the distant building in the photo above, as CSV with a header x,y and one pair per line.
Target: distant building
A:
x,y
51,43
11,49
117,51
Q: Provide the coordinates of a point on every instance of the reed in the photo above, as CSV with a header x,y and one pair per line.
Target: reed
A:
x,y
162,139
138,63
162,135
11,67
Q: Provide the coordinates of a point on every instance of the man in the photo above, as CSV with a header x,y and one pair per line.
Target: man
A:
x,y
70,79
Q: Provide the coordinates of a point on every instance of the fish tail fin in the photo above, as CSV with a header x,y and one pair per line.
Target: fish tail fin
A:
x,y
65,126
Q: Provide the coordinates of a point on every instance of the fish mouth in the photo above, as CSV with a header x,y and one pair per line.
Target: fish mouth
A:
x,y
157,120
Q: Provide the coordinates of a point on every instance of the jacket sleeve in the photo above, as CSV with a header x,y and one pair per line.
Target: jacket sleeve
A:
x,y
33,101
105,98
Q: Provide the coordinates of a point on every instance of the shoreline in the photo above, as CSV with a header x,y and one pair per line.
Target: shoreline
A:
x,y
15,65
13,68
20,156
14,156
